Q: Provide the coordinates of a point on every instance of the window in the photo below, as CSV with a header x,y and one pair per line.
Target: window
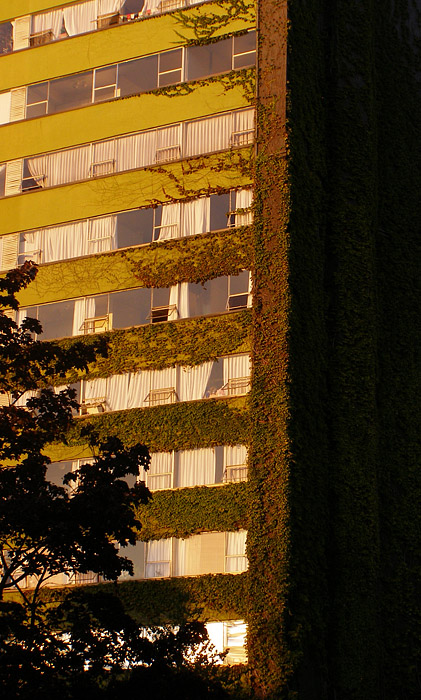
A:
x,y
130,308
161,471
37,100
134,227
30,182
138,76
244,51
209,59
235,551
161,307
56,319
105,83
70,92
170,67
6,38
238,291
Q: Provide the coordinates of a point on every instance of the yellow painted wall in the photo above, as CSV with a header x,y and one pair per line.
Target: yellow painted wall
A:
x,y
125,191
107,119
16,8
102,47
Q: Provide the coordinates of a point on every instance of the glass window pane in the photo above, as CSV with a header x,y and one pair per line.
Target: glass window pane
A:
x,y
56,319
170,78
134,227
2,178
70,92
140,75
100,305
170,60
56,472
208,299
37,93
107,93
215,381
105,76
6,37
245,42
160,297
208,60
36,110
132,7
219,208
245,60
239,284
130,308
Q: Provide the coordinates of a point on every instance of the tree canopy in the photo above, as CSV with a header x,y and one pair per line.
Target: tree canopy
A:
x,y
85,642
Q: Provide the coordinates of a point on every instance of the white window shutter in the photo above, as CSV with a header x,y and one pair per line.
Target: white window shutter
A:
x,y
21,32
4,399
13,177
17,104
9,251
10,313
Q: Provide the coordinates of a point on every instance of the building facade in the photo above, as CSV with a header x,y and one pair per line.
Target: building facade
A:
x,y
227,211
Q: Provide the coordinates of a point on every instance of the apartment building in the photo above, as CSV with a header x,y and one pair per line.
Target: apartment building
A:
x,y
254,277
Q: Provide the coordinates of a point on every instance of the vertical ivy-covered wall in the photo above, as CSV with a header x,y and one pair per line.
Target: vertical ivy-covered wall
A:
x,y
334,527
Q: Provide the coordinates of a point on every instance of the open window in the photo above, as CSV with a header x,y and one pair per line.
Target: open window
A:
x,y
6,38
161,471
103,158
93,397
235,552
163,305
238,291
235,463
158,559
168,144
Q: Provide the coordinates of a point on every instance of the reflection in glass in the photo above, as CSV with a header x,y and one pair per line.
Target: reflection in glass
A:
x,y
134,227
219,209
209,59
56,319
210,298
139,75
130,308
6,38
70,92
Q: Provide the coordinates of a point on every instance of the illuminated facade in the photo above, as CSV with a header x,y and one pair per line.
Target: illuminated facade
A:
x,y
244,270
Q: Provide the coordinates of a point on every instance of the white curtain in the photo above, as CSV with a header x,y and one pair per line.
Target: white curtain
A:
x,y
160,471
48,20
30,245
104,152
62,167
102,234
235,455
243,200
151,7
173,302
5,100
118,392
163,378
107,7
196,216
170,222
64,242
235,551
78,317
183,300
158,558
193,381
136,151
236,366
207,135
243,120
80,18
95,389
139,384
196,467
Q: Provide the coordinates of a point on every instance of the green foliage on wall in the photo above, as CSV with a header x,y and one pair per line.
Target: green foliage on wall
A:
x,y
209,597
184,342
189,511
193,260
178,426
190,259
